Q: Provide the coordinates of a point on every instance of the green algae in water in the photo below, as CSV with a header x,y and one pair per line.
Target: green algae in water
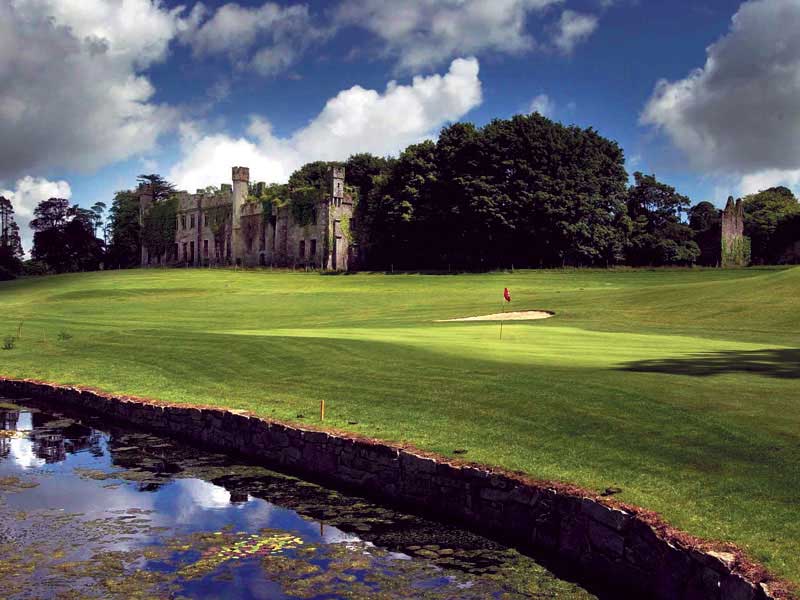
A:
x,y
140,516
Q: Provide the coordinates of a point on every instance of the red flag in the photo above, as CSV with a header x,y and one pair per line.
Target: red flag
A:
x,y
507,295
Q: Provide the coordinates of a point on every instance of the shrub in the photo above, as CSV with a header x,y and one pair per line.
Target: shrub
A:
x,y
6,274
63,336
9,342
35,267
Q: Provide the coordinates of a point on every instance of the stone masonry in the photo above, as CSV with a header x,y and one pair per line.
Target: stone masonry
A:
x,y
223,228
735,246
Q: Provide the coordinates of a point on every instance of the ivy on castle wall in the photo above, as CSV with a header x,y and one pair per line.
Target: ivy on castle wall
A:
x,y
269,197
158,231
303,205
736,252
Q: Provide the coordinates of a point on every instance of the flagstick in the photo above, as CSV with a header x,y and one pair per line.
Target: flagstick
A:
x,y
503,306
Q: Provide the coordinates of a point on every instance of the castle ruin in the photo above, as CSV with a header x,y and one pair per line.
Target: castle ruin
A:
x,y
225,228
735,246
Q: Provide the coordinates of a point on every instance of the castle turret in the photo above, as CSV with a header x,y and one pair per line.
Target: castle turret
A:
x,y
735,246
337,183
241,182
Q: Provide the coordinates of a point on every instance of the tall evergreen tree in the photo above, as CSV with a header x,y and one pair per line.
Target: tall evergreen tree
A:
x,y
157,186
124,244
10,244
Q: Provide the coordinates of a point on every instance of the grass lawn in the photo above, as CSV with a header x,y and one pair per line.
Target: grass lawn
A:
x,y
678,386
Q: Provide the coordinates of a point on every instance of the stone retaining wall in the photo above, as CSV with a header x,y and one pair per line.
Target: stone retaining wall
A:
x,y
620,547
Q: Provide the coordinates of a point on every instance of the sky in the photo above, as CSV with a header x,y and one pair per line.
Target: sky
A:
x,y
703,93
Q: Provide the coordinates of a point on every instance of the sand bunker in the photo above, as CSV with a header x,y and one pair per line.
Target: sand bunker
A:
x,y
519,315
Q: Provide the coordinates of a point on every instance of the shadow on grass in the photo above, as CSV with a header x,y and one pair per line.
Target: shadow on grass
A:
x,y
779,363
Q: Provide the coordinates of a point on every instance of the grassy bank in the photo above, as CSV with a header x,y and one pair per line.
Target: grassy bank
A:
x,y
680,387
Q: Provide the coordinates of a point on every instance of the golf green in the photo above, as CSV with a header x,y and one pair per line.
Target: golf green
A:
x,y
678,386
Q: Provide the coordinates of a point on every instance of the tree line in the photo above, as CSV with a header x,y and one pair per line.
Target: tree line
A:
x,y
524,192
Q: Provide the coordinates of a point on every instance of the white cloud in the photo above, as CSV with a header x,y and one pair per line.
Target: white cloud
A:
x,y
26,195
573,28
542,104
72,93
739,114
426,33
755,182
355,120
268,39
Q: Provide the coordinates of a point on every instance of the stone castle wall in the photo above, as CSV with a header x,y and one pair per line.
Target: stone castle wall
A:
x,y
735,251
621,548
255,239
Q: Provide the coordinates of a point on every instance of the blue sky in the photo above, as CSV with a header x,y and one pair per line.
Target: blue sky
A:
x,y
114,88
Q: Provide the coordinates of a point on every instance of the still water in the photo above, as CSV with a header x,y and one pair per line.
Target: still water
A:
x,y
92,510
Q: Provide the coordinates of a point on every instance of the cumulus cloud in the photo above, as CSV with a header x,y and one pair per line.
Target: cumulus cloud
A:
x,y
26,195
355,120
573,28
72,93
543,105
269,38
426,33
739,114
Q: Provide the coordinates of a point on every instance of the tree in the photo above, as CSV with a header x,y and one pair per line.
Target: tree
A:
x,y
390,223
124,239
10,244
98,209
64,237
786,240
659,237
159,188
763,213
706,222
558,192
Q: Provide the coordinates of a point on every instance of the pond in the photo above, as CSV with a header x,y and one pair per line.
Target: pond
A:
x,y
90,509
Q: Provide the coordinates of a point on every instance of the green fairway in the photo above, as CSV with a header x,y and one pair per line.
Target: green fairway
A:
x,y
678,386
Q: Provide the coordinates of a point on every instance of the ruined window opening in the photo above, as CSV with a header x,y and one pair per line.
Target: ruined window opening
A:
x,y
191,252
205,248
313,252
185,251
183,221
191,222
177,254
302,249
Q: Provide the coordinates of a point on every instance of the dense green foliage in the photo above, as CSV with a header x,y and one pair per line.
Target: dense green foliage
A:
x,y
64,237
736,252
158,230
124,230
677,386
10,244
659,236
764,212
524,191
705,220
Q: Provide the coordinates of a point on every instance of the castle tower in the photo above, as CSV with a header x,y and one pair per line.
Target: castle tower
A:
x,y
337,183
241,183
735,246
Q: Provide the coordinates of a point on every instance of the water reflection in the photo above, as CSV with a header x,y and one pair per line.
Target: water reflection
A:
x,y
92,510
